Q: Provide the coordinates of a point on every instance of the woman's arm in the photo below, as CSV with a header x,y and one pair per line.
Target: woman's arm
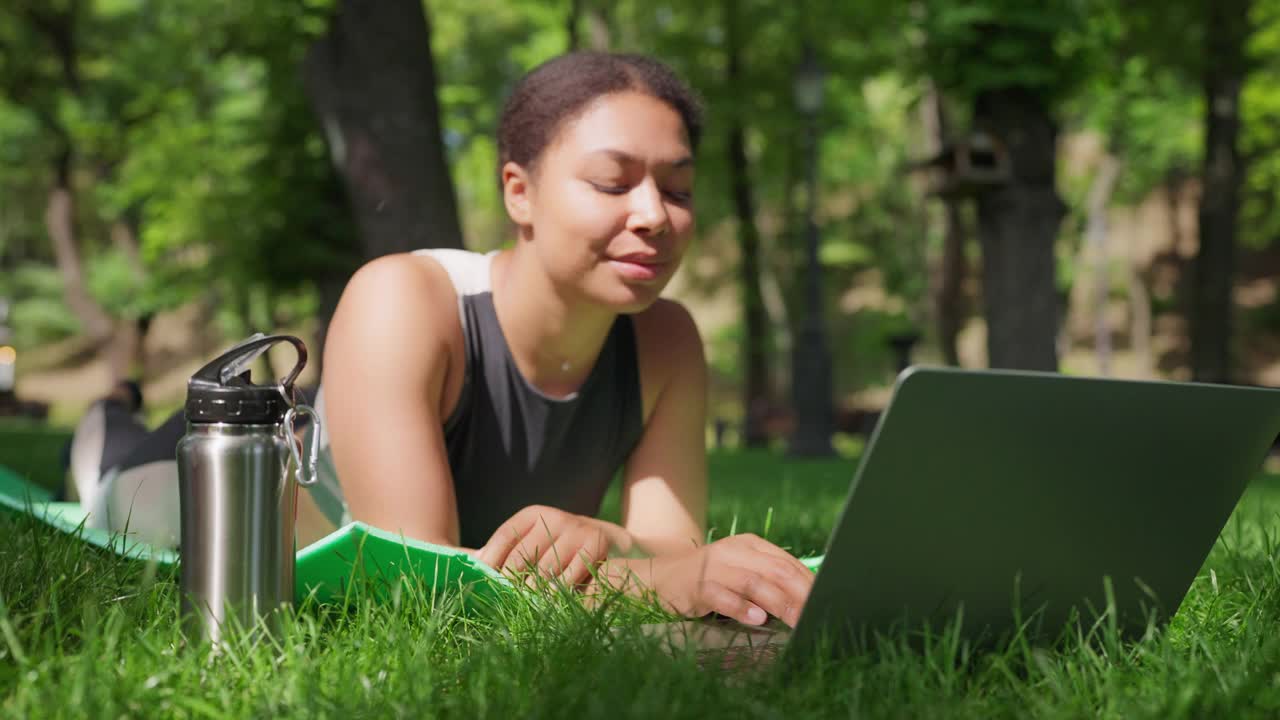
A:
x,y
664,501
664,491
386,362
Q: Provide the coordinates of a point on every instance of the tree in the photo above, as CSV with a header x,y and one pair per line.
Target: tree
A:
x,y
372,80
950,308
756,388
1225,68
1215,56
41,68
597,19
1010,61
1146,118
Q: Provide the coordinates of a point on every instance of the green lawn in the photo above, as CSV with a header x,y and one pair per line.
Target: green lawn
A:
x,y
83,633
33,450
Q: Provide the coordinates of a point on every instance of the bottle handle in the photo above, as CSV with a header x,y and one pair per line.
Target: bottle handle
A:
x,y
230,364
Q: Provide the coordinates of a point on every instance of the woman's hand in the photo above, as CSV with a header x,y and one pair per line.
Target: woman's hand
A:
x,y
559,544
743,577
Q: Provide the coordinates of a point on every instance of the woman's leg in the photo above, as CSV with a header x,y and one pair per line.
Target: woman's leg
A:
x,y
106,434
138,490
139,494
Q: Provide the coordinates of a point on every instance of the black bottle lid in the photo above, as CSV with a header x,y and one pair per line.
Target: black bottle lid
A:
x,y
223,392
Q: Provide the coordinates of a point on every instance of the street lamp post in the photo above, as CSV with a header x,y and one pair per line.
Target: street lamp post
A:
x,y
811,361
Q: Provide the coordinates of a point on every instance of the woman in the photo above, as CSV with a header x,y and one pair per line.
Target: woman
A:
x,y
486,401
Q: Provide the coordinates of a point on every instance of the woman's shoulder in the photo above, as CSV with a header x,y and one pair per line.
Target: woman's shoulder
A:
x,y
428,274
404,295
468,272
395,279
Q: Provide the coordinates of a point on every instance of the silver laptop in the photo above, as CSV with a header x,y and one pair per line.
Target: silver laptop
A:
x,y
1016,501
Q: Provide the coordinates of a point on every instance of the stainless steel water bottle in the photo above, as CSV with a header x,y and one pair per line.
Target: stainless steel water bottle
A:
x,y
236,495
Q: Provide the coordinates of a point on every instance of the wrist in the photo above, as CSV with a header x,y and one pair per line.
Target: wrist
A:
x,y
630,575
664,545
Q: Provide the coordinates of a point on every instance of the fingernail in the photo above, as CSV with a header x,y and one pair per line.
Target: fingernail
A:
x,y
756,616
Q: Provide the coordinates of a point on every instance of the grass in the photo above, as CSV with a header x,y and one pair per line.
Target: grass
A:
x,y
33,450
83,633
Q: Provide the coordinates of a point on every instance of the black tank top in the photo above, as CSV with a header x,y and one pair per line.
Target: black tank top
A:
x,y
509,444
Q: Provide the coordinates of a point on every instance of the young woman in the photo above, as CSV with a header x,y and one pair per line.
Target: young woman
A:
x,y
487,401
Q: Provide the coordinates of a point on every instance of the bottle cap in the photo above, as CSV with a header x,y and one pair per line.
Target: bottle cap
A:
x,y
223,392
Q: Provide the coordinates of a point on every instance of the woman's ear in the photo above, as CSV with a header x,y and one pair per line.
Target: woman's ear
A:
x,y
516,191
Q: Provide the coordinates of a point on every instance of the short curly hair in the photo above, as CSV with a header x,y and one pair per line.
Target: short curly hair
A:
x,y
561,88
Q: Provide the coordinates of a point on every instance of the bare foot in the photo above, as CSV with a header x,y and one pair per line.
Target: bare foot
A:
x,y
127,393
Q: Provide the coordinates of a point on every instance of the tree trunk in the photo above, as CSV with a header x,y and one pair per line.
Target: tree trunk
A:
x,y
1017,226
755,348
127,354
1211,306
60,223
1096,240
1174,192
575,12
372,83
124,352
598,35
1138,282
949,306
58,26
124,237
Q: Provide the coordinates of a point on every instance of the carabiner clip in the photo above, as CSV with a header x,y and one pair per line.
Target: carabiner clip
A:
x,y
295,444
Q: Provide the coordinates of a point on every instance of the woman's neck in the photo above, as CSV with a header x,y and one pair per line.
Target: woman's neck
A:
x,y
554,339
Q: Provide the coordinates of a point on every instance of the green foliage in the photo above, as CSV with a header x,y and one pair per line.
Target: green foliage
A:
x,y
190,120
1149,119
994,44
481,49
38,313
1260,110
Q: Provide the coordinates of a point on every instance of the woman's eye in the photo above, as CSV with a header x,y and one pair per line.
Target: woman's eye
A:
x,y
679,196
611,189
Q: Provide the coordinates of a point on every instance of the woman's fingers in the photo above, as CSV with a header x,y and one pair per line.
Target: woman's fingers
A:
x,y
762,573
502,544
762,592
578,571
616,536
552,543
796,583
759,544
535,543
571,544
720,598
576,552
754,553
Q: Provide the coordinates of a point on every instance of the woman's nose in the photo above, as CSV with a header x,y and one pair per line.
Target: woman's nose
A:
x,y
648,212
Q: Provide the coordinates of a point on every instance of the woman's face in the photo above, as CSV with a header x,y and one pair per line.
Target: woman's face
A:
x,y
610,204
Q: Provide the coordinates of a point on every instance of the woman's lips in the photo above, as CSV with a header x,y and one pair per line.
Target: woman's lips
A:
x,y
636,269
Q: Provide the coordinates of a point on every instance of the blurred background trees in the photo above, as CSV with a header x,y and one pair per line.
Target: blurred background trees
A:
x,y
1078,185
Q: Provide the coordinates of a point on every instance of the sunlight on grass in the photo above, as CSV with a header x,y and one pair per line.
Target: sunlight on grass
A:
x,y
84,633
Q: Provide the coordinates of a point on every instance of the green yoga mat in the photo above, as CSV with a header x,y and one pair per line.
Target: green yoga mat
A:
x,y
358,556
352,559
19,495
